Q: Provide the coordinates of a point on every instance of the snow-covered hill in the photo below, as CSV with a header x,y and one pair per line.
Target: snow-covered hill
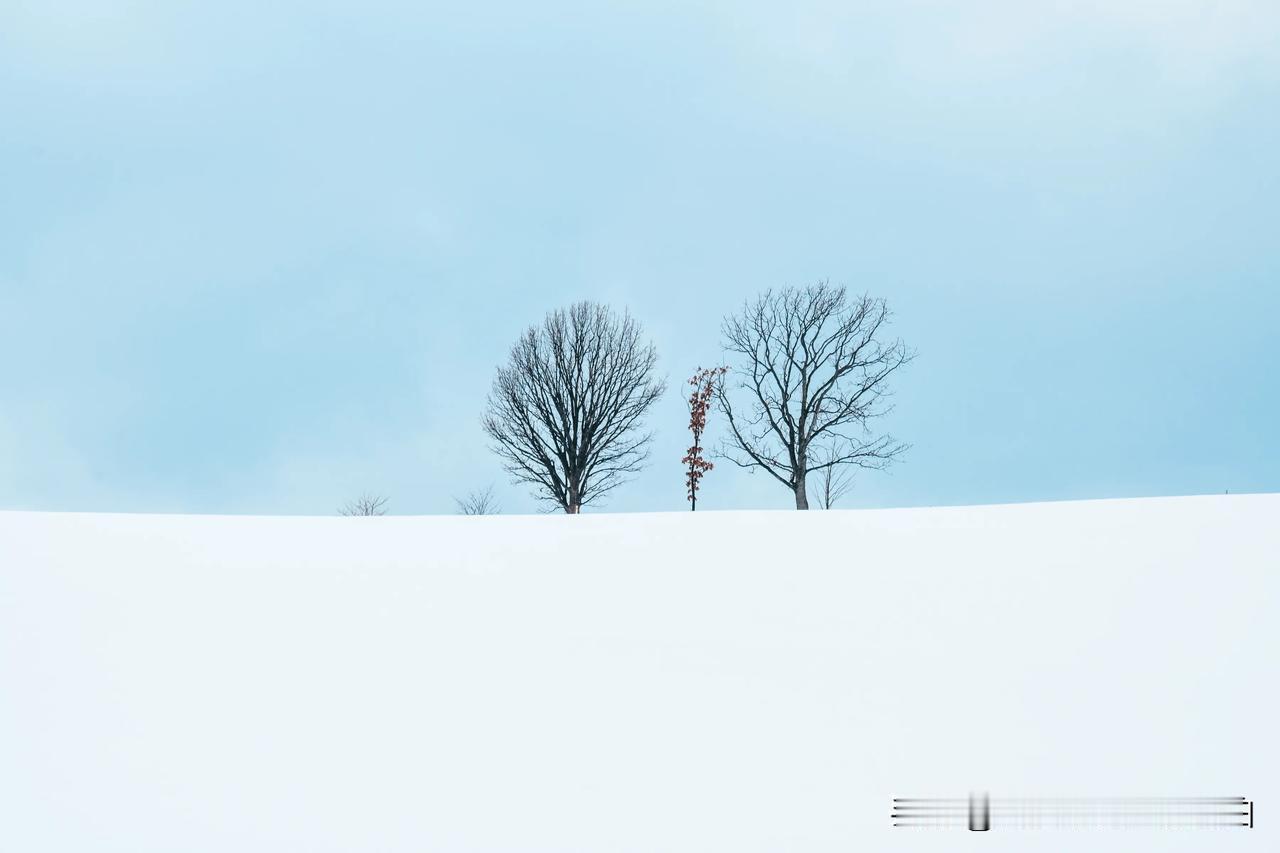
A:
x,y
744,681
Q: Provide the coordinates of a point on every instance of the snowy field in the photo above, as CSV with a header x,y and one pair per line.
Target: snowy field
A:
x,y
738,681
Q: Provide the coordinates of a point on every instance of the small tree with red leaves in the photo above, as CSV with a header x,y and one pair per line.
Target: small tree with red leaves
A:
x,y
704,388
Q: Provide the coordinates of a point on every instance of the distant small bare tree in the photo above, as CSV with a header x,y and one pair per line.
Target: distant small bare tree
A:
x,y
366,504
815,369
566,410
479,502
834,481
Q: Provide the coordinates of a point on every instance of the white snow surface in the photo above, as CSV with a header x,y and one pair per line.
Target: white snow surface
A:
x,y
718,681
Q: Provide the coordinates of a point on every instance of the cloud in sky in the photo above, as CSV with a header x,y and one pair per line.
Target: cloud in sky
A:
x,y
1001,36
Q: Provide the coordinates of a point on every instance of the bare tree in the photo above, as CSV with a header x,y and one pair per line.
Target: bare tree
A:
x,y
479,502
815,375
565,412
366,504
834,481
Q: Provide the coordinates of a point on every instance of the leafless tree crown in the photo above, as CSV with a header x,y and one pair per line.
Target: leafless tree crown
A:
x,y
479,502
365,505
566,411
814,376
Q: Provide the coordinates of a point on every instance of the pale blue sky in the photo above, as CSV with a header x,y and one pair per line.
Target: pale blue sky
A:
x,y
259,260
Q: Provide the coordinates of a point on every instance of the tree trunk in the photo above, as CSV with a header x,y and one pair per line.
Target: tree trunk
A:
x,y
694,453
802,498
